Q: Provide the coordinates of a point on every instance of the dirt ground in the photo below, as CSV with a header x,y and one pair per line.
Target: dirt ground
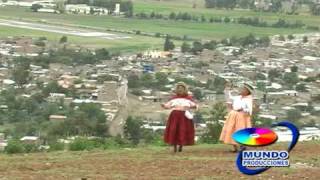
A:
x,y
197,162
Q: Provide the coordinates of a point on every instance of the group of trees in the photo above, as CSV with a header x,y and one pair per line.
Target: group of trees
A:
x,y
315,9
226,4
272,5
147,80
72,57
249,40
30,115
250,21
214,127
168,44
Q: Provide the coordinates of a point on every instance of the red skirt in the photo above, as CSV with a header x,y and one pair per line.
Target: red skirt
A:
x,y
179,129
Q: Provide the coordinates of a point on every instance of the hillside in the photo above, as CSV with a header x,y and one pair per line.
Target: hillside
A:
x,y
197,162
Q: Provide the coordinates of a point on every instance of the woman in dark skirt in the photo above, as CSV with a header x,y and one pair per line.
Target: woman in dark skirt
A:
x,y
180,128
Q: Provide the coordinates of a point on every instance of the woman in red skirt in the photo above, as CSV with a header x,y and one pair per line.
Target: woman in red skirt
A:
x,y
180,128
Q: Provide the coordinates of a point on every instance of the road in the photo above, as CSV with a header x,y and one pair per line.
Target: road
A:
x,y
117,124
61,29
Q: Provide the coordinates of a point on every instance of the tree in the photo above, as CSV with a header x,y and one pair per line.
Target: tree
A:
x,y
290,78
36,7
197,47
133,130
245,4
162,78
294,68
91,10
102,54
301,87
213,130
185,47
197,93
227,4
305,39
273,73
63,39
146,80
290,37
198,118
172,16
211,45
168,44
218,84
133,81
314,8
60,6
294,116
276,5
20,72
282,38
261,86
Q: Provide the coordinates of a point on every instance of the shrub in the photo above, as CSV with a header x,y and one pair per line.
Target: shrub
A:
x,y
111,143
81,144
29,148
14,146
56,146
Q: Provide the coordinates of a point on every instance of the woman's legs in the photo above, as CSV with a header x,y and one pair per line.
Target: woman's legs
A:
x,y
175,148
235,148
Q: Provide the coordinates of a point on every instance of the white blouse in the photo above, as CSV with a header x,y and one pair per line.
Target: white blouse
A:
x,y
181,102
239,102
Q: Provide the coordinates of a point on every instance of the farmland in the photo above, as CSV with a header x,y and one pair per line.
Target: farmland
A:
x,y
197,162
196,30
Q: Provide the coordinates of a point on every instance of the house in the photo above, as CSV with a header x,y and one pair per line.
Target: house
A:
x,y
263,4
56,97
288,6
57,118
45,10
306,134
3,142
30,140
267,116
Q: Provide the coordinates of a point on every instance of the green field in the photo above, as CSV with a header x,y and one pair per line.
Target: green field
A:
x,y
168,6
193,29
205,31
135,43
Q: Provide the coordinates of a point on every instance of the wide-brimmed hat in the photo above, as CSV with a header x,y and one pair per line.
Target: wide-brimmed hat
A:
x,y
184,85
249,87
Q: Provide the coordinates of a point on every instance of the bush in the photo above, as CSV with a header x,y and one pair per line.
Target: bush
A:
x,y
153,138
123,142
111,143
14,146
212,134
81,144
29,148
56,146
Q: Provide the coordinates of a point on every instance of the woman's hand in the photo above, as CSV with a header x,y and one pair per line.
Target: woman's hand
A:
x,y
163,105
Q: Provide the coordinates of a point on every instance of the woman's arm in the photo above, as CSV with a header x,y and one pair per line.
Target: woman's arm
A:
x,y
247,105
166,105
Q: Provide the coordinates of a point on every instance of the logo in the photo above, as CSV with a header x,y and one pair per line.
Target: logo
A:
x,y
256,162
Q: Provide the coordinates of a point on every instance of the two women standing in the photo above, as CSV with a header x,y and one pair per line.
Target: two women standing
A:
x,y
180,127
